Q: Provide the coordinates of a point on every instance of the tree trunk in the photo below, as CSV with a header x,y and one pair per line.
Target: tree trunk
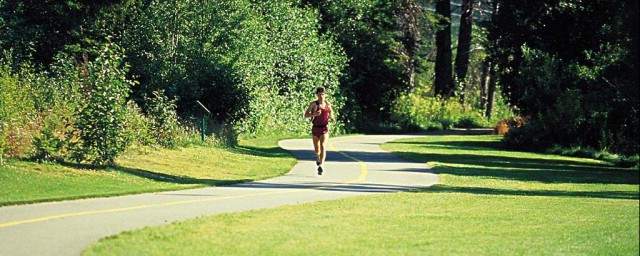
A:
x,y
444,80
484,83
491,90
409,15
493,45
464,45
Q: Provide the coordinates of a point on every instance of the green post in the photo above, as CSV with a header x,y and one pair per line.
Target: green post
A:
x,y
204,125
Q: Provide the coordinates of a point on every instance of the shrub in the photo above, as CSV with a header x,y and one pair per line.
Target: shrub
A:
x,y
510,123
58,96
588,152
164,120
102,119
468,122
418,109
574,103
137,126
49,141
532,136
17,114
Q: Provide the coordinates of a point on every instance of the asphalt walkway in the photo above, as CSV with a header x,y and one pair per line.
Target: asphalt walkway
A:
x,y
355,166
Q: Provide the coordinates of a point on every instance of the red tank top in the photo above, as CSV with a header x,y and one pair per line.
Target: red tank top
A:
x,y
323,118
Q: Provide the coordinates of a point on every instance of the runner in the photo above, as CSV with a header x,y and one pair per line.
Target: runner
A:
x,y
320,113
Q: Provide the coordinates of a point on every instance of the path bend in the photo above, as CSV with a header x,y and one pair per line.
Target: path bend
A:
x,y
355,166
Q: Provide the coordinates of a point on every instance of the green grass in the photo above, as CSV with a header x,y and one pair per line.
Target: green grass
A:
x,y
489,202
144,170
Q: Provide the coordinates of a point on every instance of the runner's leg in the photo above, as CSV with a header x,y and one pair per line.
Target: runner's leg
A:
x,y
323,150
316,147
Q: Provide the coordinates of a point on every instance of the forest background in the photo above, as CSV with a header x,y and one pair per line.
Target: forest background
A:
x,y
84,80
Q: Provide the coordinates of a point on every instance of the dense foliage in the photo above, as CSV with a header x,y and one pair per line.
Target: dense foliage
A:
x,y
370,36
83,79
254,65
573,68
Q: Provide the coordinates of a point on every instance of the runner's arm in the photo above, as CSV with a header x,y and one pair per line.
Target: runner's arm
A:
x,y
331,117
310,111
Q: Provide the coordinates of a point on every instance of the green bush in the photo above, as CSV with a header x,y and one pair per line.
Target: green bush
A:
x,y
164,119
254,65
469,122
102,120
59,97
138,126
282,59
588,152
531,136
49,142
17,114
419,109
573,104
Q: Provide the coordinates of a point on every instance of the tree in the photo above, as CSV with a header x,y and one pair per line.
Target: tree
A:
x,y
573,68
102,120
37,30
444,81
369,33
491,87
409,16
464,45
489,67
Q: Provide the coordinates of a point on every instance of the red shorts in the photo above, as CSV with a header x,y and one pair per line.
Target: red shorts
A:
x,y
319,130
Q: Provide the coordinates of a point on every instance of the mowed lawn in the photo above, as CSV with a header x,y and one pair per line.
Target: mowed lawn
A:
x,y
490,202
144,170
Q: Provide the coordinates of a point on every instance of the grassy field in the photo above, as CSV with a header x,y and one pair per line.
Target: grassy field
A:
x,y
490,202
144,170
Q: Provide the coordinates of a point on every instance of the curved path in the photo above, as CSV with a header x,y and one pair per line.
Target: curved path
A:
x,y
356,166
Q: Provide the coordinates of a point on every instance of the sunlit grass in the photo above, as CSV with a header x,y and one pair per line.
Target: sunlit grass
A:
x,y
144,170
489,202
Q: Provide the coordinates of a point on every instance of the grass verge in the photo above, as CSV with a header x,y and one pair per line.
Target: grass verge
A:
x,y
490,201
144,170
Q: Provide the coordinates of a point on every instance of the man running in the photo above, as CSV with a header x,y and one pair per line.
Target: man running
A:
x,y
321,114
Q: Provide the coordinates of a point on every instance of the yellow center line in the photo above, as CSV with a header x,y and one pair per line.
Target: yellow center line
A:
x,y
363,176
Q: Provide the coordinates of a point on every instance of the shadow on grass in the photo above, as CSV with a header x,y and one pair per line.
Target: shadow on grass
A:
x,y
514,168
163,177
494,191
458,145
156,176
275,151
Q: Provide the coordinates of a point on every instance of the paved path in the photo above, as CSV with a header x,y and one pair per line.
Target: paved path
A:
x,y
356,166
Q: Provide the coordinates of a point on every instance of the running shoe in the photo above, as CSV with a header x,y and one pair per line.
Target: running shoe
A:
x,y
320,170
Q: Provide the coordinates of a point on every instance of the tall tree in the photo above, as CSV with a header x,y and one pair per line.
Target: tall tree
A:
x,y
484,83
464,45
444,81
409,15
491,88
489,81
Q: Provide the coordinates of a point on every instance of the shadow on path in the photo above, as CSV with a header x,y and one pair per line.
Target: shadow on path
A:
x,y
323,186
